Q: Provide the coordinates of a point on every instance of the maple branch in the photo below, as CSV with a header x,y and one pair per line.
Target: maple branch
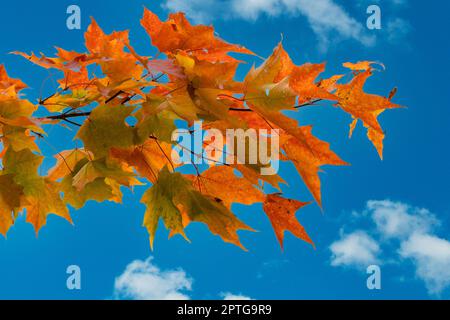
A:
x,y
154,79
230,97
240,109
201,156
308,104
64,116
114,96
72,122
67,87
67,115
40,135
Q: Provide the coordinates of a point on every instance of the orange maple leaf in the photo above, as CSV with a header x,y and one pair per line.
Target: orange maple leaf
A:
x,y
281,212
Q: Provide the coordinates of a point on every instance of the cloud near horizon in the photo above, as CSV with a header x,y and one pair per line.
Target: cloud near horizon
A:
x,y
143,280
231,296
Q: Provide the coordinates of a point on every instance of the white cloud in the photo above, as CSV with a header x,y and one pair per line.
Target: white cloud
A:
x,y
398,29
366,3
231,296
431,256
142,280
327,19
200,11
399,220
410,230
252,9
357,249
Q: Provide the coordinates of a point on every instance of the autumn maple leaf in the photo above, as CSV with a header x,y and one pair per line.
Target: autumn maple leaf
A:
x,y
125,113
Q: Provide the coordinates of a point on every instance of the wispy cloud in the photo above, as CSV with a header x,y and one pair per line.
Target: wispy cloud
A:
x,y
397,29
399,220
199,11
410,230
327,19
395,3
143,280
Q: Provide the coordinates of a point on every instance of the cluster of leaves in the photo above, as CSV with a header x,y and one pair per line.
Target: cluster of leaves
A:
x,y
192,78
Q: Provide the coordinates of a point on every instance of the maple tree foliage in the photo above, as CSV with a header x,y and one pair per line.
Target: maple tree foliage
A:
x,y
191,78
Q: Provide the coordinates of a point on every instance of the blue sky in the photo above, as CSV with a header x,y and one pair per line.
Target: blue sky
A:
x,y
392,212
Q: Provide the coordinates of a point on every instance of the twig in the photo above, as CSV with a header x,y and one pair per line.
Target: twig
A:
x,y
72,122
